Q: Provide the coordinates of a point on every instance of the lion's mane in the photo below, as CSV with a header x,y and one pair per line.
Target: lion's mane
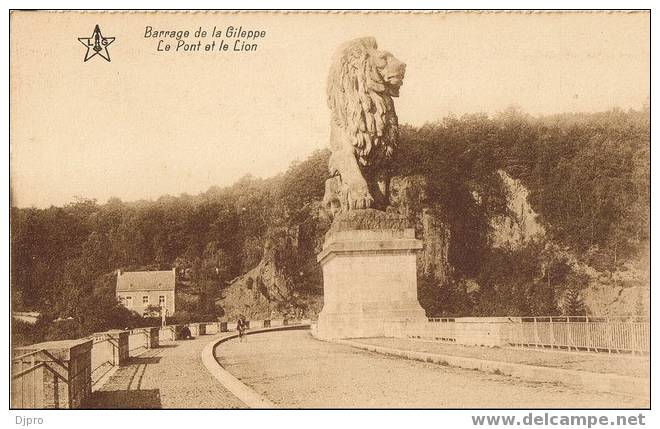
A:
x,y
359,102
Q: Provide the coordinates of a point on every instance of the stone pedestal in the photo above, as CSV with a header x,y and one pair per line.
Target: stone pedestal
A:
x,y
194,329
152,343
369,275
202,328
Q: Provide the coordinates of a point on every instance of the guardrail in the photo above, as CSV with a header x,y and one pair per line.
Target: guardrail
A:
x,y
54,374
138,340
61,374
25,373
100,362
619,334
630,334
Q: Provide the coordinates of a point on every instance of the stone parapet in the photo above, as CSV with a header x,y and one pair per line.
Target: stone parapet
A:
x,y
491,332
194,329
169,333
54,374
111,347
213,328
203,328
138,338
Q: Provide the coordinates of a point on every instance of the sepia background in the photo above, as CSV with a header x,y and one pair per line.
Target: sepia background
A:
x,y
523,165
153,123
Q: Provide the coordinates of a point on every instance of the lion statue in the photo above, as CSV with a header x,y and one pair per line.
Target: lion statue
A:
x,y
364,129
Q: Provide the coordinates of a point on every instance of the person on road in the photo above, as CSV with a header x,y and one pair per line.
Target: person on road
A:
x,y
185,332
241,326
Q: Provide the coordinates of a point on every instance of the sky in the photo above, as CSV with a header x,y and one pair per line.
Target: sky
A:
x,y
152,123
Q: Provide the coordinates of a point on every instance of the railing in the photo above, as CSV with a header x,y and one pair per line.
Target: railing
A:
x,y
27,382
630,334
44,381
100,361
70,382
621,334
441,319
138,339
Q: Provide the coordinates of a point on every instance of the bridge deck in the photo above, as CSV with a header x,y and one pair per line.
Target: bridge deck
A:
x,y
171,376
296,371
292,369
606,363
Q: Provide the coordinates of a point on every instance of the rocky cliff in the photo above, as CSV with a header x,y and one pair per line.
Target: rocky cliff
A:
x,y
287,282
408,197
272,289
624,291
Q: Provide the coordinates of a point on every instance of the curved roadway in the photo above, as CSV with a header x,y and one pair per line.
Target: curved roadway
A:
x,y
294,370
171,376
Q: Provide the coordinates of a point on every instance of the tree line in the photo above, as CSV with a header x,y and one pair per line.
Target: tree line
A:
x,y
588,177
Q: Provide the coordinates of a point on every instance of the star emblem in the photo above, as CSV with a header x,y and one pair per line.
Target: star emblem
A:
x,y
96,44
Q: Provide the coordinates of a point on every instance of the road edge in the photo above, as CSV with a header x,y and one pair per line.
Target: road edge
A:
x,y
609,383
243,392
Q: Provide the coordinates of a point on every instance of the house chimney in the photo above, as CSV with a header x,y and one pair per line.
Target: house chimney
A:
x,y
119,272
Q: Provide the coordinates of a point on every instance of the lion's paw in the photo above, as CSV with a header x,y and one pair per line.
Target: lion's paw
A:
x,y
360,198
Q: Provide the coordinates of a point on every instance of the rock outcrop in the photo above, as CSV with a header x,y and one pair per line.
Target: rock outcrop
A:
x,y
287,281
267,290
520,225
408,198
623,292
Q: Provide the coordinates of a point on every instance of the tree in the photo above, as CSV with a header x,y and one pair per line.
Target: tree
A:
x,y
153,310
588,177
573,303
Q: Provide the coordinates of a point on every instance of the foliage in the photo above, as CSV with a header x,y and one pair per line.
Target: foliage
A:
x,y
573,303
153,311
587,176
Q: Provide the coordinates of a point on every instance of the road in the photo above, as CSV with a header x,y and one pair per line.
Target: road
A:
x,y
171,376
295,370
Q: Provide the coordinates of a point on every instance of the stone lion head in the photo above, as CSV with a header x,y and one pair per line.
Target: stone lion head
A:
x,y
362,82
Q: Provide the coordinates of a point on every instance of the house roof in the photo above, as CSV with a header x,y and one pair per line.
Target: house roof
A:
x,y
145,280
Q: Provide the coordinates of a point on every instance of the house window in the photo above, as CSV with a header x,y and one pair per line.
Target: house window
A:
x,y
145,300
129,301
122,300
161,300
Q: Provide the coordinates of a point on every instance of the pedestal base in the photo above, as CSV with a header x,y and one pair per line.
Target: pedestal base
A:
x,y
369,279
367,322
